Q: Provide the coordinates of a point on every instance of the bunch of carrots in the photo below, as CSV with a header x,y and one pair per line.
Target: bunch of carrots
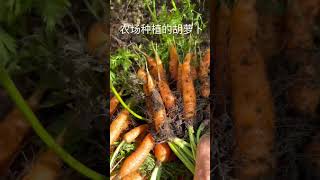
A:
x,y
161,103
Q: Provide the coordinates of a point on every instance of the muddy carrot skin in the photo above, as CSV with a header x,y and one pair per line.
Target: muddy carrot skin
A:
x,y
13,130
113,105
173,62
118,125
204,71
133,162
188,89
252,102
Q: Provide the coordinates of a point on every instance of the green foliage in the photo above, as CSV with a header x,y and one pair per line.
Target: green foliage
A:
x,y
170,14
7,49
51,11
148,165
173,170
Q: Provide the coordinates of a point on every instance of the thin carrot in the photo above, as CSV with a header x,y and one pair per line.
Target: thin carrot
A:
x,y
113,105
118,125
136,159
168,98
142,75
152,65
204,71
173,62
129,137
47,166
188,89
13,129
158,109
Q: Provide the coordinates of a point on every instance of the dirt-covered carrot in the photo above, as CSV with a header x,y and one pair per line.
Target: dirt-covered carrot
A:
x,y
136,159
252,102
13,130
118,125
221,45
134,176
173,62
302,16
47,165
168,98
204,71
188,89
152,65
158,110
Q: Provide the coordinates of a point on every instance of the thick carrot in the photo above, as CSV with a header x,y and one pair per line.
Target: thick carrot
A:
x,y
204,71
221,45
47,166
118,125
162,152
136,159
134,176
173,62
252,102
13,129
188,89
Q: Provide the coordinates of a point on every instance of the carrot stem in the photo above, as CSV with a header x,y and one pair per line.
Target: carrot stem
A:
x,y
15,95
184,148
123,103
192,141
200,129
182,157
156,173
115,154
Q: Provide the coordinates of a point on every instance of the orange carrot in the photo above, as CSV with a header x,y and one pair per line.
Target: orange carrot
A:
x,y
118,125
168,98
113,105
188,89
162,152
252,102
158,109
134,176
136,159
47,166
142,75
173,62
97,39
152,65
204,71
13,129
130,136
194,73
